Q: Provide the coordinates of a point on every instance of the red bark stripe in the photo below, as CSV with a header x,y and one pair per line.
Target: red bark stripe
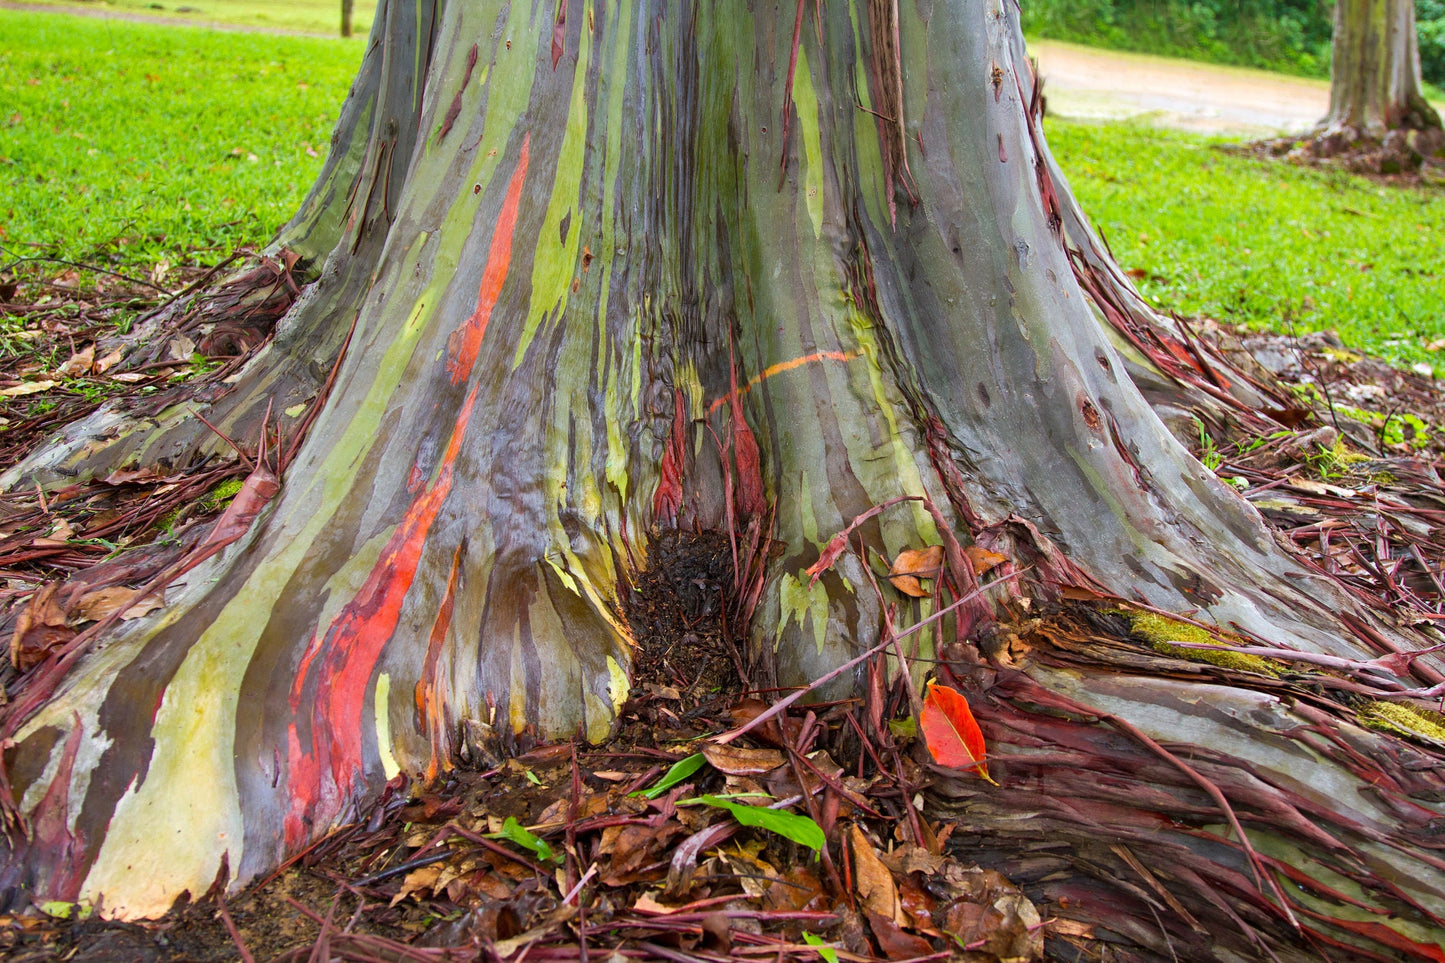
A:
x,y
429,708
321,778
667,500
466,341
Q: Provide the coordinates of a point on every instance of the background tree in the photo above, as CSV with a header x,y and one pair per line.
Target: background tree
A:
x,y
1375,69
594,272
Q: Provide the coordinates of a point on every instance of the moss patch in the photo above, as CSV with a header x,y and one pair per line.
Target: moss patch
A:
x,y
1404,720
1162,633
220,496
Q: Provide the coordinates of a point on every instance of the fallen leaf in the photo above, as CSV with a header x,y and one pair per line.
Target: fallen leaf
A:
x,y
896,944
40,628
736,761
80,363
94,606
913,564
950,731
800,829
28,388
679,771
825,949
981,560
909,585
873,880
924,563
62,531
142,476
181,348
418,882
102,365
991,913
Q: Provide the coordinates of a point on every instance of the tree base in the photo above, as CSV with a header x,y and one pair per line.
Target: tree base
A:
x,y
1411,155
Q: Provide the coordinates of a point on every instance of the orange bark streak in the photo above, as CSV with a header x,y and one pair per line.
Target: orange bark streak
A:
x,y
323,774
466,341
782,367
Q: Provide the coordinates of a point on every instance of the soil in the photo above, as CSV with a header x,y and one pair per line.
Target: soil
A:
x,y
1082,83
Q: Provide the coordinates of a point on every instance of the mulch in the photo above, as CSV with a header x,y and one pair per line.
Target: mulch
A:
x,y
573,852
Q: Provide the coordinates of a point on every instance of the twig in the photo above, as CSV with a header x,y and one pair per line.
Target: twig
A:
x,y
231,928
783,703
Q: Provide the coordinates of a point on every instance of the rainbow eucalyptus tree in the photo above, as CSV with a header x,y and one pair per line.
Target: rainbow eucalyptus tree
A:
x,y
1375,84
599,270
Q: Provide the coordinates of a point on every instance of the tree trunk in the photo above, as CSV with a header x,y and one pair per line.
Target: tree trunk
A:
x,y
610,269
1375,71
346,7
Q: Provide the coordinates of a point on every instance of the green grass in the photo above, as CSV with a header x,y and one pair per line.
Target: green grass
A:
x,y
1264,244
127,143
305,16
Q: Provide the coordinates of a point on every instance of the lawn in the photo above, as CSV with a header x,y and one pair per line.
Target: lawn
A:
x,y
303,16
1264,243
126,144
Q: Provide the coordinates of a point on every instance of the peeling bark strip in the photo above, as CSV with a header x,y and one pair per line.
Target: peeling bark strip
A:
x,y
557,315
456,107
887,75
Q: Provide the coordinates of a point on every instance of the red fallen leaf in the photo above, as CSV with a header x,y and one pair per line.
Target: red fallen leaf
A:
x,y
950,732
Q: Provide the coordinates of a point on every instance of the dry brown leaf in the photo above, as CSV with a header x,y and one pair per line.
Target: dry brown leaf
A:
x,y
981,560
736,761
418,881
909,585
104,364
28,388
94,606
992,913
896,944
873,880
913,564
924,563
80,363
180,348
129,377
40,628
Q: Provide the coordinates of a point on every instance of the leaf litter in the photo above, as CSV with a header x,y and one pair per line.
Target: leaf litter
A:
x,y
637,850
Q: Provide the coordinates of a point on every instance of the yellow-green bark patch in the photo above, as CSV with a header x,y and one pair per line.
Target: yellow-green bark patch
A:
x,y
1404,720
1162,633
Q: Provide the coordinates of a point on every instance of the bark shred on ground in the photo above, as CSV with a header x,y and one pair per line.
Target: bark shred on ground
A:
x,y
564,853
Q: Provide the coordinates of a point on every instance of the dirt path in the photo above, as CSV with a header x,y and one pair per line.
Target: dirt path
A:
x,y
1082,83
110,13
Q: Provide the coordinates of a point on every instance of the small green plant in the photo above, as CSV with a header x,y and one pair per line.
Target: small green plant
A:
x,y
515,832
800,829
1208,453
824,948
1336,461
679,771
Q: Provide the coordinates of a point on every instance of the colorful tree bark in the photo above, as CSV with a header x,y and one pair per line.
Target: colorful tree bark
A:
x,y
609,268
